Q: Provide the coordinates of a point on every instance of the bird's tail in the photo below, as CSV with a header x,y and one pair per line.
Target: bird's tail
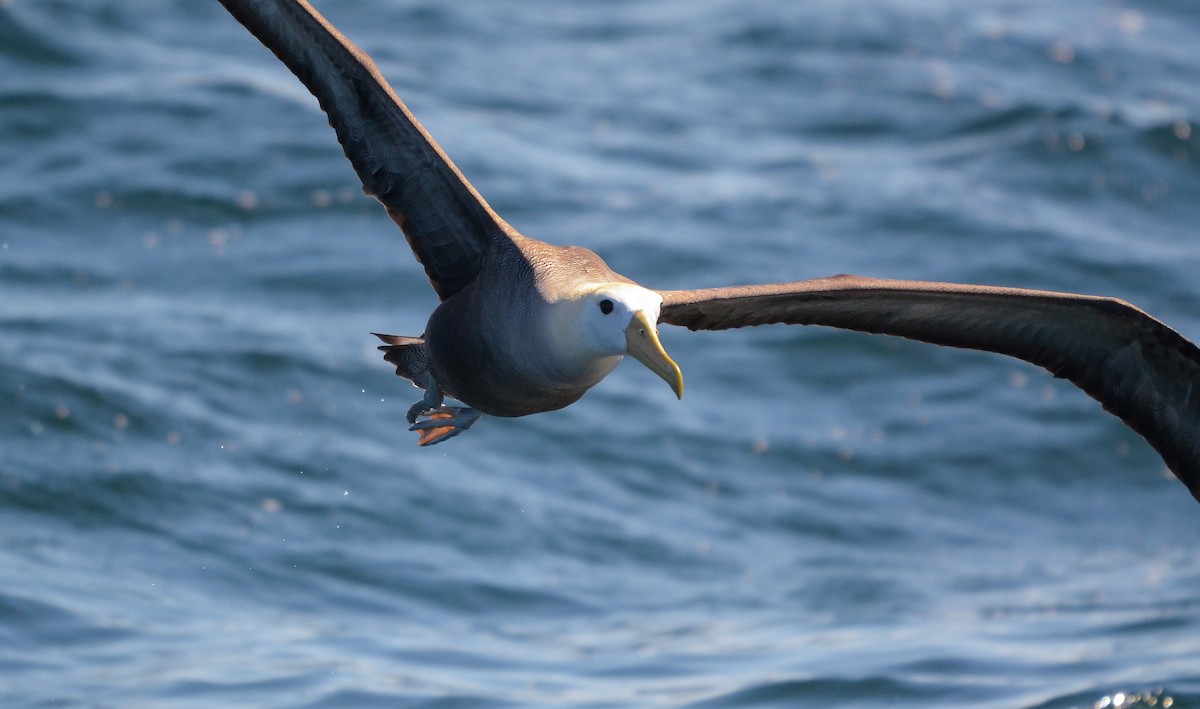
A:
x,y
409,356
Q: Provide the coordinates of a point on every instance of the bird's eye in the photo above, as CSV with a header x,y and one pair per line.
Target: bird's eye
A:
x,y
606,306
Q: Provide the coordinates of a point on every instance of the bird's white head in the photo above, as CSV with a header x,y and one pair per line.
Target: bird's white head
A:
x,y
607,320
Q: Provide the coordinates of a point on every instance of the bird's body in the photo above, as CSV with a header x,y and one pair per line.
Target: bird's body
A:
x,y
515,364
526,327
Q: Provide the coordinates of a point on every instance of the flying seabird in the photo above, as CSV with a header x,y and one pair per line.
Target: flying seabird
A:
x,y
524,326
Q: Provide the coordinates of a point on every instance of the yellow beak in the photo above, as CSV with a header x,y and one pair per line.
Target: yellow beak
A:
x,y
641,341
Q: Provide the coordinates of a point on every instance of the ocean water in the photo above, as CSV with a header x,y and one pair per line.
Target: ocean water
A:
x,y
207,493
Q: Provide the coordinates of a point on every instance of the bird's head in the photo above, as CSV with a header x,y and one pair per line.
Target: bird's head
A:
x,y
614,319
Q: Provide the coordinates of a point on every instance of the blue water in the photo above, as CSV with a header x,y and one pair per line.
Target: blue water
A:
x,y
207,495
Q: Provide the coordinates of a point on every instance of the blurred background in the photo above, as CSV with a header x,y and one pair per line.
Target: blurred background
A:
x,y
207,492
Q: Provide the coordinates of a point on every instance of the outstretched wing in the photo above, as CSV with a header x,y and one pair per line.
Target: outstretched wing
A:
x,y
1138,368
448,225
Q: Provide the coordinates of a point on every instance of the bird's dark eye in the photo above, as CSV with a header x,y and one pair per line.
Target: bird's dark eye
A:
x,y
606,306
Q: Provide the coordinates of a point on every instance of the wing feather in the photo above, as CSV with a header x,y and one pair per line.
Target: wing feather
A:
x,y
447,223
1135,366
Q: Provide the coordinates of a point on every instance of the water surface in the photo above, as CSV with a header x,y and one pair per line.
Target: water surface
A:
x,y
209,497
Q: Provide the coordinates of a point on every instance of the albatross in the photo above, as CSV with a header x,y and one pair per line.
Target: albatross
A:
x,y
524,326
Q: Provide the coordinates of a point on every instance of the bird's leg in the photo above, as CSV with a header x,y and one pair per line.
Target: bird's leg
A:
x,y
428,403
444,422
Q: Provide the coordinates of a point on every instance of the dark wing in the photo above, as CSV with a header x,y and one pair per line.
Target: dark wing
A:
x,y
448,225
1138,368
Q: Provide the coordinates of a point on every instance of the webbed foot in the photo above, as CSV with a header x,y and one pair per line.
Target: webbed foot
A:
x,y
444,423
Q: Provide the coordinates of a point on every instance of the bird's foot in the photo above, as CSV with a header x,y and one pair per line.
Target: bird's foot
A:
x,y
443,423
